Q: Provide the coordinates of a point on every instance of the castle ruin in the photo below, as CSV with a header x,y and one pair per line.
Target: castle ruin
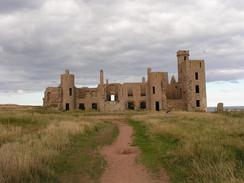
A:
x,y
154,93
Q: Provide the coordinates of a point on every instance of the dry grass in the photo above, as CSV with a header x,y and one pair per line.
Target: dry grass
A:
x,y
30,141
9,132
210,146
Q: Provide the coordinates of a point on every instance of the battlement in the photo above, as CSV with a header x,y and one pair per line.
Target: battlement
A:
x,y
183,53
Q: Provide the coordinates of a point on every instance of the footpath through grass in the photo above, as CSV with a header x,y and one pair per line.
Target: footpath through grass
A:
x,y
81,160
154,147
192,147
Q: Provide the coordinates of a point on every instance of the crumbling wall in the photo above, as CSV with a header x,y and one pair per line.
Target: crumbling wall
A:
x,y
220,107
176,104
113,106
52,97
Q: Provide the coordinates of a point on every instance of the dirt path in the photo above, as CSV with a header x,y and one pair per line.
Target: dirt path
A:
x,y
121,157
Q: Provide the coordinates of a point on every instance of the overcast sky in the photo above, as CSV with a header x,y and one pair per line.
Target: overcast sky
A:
x,y
40,38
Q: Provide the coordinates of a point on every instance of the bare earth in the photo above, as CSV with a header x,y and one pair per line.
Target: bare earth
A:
x,y
121,158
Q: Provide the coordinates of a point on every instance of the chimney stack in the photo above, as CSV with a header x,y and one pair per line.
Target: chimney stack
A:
x,y
101,77
66,71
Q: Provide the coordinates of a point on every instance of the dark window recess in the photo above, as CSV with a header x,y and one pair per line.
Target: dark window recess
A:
x,y
197,89
196,75
67,106
154,90
198,103
70,92
109,97
94,106
185,57
130,92
143,105
143,94
131,106
82,106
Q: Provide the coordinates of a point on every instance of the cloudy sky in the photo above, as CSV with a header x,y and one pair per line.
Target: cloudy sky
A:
x,y
40,38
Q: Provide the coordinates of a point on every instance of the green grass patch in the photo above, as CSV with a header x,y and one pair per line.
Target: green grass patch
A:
x,y
193,147
154,147
22,121
81,158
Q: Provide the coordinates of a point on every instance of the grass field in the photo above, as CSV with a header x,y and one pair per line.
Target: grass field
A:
x,y
41,145
192,147
38,145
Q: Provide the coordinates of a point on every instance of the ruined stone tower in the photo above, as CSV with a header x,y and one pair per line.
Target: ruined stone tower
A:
x,y
156,93
156,89
68,90
191,74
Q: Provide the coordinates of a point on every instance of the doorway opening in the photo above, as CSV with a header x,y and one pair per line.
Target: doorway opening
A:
x,y
82,106
143,105
131,106
67,106
197,103
157,106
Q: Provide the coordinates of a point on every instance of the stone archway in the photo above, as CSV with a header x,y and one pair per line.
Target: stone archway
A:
x,y
112,92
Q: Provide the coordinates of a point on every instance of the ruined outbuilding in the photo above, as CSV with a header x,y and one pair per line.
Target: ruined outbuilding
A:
x,y
220,107
154,93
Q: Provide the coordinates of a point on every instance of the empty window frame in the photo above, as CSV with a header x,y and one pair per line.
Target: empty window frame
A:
x,y
185,57
143,91
94,94
196,75
197,89
94,106
130,92
70,91
154,89
198,103
112,98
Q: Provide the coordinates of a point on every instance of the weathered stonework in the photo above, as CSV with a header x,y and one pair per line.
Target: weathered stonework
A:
x,y
155,93
220,107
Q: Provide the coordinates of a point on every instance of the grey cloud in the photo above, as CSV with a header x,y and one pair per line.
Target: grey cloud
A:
x,y
9,6
231,75
122,37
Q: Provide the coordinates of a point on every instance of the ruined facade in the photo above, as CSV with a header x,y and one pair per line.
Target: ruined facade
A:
x,y
154,93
